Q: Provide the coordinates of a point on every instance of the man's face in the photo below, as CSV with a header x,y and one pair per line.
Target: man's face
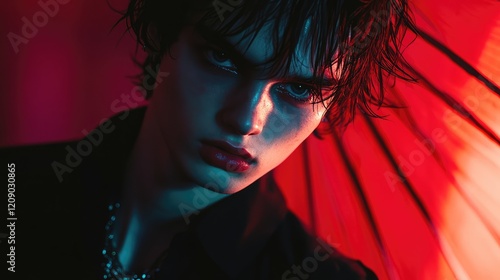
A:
x,y
223,124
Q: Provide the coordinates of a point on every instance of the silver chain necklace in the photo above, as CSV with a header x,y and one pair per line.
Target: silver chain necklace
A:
x,y
113,269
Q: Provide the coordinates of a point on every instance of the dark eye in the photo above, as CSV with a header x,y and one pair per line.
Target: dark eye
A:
x,y
299,92
220,59
220,56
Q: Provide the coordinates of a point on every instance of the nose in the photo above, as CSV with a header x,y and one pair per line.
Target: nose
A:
x,y
245,111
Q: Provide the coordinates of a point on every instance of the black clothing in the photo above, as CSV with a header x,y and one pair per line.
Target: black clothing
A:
x,y
248,235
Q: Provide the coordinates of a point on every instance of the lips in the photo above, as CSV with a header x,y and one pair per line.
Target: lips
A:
x,y
225,156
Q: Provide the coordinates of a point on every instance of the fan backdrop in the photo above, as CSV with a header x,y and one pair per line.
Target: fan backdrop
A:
x,y
414,196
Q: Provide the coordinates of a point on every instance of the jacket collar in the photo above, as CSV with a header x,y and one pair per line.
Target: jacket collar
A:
x,y
235,230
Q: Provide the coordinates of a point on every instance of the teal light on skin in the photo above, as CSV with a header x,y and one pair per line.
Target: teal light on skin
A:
x,y
209,94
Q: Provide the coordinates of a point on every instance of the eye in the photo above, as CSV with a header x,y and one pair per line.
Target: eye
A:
x,y
299,92
220,59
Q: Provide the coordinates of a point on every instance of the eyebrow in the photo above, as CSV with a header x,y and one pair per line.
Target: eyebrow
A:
x,y
214,37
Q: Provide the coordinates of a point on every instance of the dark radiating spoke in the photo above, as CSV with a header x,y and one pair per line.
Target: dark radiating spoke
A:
x,y
459,61
310,196
458,107
411,190
388,262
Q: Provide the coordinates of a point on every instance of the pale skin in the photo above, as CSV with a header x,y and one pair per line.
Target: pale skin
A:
x,y
208,95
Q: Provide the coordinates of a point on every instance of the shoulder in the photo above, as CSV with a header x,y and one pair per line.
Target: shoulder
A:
x,y
61,190
310,257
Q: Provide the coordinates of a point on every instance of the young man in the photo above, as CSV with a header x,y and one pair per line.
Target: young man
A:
x,y
240,85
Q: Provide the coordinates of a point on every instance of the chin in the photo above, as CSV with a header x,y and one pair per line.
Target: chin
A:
x,y
223,182
230,189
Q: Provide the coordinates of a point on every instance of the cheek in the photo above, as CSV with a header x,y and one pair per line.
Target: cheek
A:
x,y
180,96
282,140
196,85
303,130
301,122
188,101
170,101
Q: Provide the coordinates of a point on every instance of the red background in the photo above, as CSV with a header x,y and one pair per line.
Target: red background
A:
x,y
66,76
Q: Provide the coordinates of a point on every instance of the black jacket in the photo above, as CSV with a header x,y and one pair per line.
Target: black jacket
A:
x,y
63,191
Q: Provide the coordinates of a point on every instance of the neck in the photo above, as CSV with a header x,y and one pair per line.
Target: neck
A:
x,y
157,202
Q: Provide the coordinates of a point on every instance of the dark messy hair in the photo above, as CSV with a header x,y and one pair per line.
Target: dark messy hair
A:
x,y
361,39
